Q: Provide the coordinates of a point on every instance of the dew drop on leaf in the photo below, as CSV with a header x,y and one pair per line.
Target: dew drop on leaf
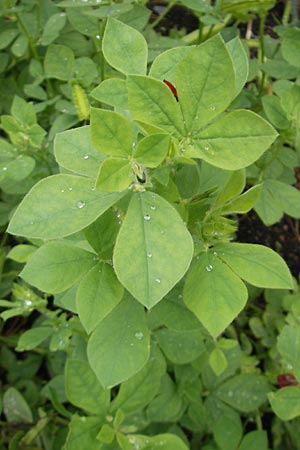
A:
x,y
80,204
98,35
209,268
70,189
149,255
86,157
206,147
147,217
158,280
153,207
4,168
213,107
62,190
139,335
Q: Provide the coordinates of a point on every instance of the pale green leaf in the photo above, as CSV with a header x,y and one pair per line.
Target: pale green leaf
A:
x,y
165,442
228,432
286,402
59,62
83,433
124,48
244,202
159,247
56,266
257,264
15,407
152,150
288,344
181,347
32,338
214,293
218,361
115,175
112,91
119,346
255,440
240,62
165,63
58,206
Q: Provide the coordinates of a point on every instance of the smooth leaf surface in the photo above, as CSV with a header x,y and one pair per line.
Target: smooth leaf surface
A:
x,y
119,346
159,255
83,389
165,63
165,442
98,294
111,133
214,293
115,175
167,405
181,347
83,432
32,338
58,206
151,101
240,63
228,432
256,264
112,91
234,141
286,402
152,150
74,151
15,407
288,344
205,83
56,266
124,48
255,440
59,62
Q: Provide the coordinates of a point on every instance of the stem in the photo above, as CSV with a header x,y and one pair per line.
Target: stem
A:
x,y
295,12
162,15
30,40
286,13
262,49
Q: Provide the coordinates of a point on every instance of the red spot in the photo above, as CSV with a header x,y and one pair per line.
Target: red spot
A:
x,y
173,88
287,379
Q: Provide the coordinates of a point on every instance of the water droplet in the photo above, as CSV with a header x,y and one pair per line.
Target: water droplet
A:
x,y
153,207
158,280
62,14
179,296
31,223
197,117
28,303
86,157
230,393
64,110
109,418
149,255
92,189
139,335
206,147
147,217
70,189
4,168
80,204
62,190
215,253
98,36
131,344
209,268
213,108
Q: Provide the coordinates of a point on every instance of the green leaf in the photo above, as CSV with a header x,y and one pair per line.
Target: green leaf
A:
x,y
205,83
164,65
245,392
240,63
165,442
256,264
255,440
274,112
181,347
21,253
167,405
115,175
15,407
218,361
98,294
56,266
111,133
214,293
83,433
152,150
124,48
20,46
290,46
286,402
74,151
244,202
159,255
112,91
152,102
119,345
33,338
7,37
288,344
234,141
83,389
58,206
23,111
137,392
52,28
228,432
59,62
233,187
16,169
102,233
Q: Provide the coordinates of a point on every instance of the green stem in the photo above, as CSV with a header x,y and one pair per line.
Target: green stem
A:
x,y
162,15
262,49
295,12
286,13
30,40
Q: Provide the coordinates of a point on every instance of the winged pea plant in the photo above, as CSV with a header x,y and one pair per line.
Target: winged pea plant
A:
x,y
134,234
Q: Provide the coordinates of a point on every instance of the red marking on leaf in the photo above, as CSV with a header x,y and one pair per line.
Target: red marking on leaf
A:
x,y
287,379
172,87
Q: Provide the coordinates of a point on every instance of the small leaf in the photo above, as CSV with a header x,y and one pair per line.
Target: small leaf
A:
x,y
152,150
181,347
255,440
21,253
115,175
256,264
33,338
58,206
288,344
111,133
165,442
56,266
228,432
286,402
244,202
167,405
15,407
148,242
59,62
240,63
214,293
218,361
52,28
112,91
119,345
83,433
124,48
83,389
98,294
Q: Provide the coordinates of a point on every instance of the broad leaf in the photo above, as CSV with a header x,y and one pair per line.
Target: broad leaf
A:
x,y
74,151
240,63
83,432
255,440
56,266
228,432
286,402
98,294
111,133
83,389
152,102
165,63
34,337
59,62
180,347
256,264
214,293
119,345
124,48
165,442
112,91
58,206
234,141
115,175
152,150
205,83
158,245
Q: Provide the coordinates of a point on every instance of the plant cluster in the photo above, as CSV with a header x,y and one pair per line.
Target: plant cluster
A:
x,y
131,316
